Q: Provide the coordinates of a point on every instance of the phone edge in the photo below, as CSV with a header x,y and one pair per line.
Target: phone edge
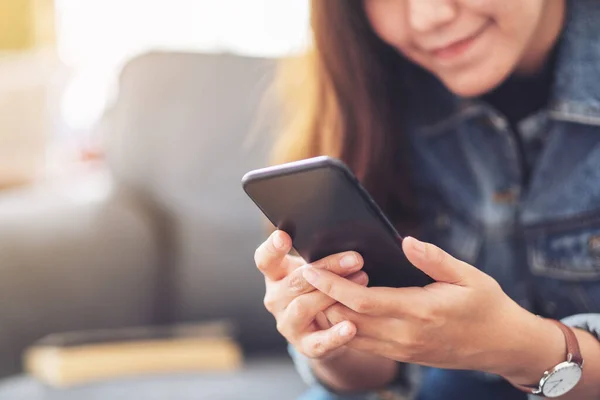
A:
x,y
312,163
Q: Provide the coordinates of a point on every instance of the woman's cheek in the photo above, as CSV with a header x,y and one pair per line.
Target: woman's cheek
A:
x,y
485,7
388,21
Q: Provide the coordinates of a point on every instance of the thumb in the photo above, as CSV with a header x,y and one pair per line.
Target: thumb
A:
x,y
436,263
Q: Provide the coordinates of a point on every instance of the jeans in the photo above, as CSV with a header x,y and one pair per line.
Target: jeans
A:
x,y
439,384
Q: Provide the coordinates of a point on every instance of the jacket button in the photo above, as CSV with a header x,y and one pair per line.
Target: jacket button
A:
x,y
508,196
594,245
388,395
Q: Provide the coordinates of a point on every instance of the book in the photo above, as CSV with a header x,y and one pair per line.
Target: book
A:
x,y
75,358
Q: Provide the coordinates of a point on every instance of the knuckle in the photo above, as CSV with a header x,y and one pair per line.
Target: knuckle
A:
x,y
327,288
326,264
269,302
415,345
296,283
362,305
259,260
431,315
331,263
334,314
257,255
340,310
281,328
332,317
426,312
318,348
490,283
298,310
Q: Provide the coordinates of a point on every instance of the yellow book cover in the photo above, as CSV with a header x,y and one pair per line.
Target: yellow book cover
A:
x,y
81,357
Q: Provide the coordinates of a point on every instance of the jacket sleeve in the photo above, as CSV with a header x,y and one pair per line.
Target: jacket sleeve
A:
x,y
398,389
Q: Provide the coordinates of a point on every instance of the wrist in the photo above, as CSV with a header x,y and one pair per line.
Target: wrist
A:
x,y
340,356
532,346
354,371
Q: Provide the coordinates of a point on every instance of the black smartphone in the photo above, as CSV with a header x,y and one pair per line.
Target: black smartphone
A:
x,y
324,208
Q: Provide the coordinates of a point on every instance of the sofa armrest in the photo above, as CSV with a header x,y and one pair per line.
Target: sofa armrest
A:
x,y
78,255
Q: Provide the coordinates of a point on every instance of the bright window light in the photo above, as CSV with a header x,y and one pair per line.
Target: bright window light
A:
x,y
97,37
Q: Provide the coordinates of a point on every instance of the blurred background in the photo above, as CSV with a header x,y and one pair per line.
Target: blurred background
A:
x,y
126,241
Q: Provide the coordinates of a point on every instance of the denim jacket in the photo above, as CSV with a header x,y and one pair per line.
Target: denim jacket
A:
x,y
540,240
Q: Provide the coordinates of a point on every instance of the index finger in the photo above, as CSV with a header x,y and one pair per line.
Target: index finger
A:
x,y
270,255
379,301
341,264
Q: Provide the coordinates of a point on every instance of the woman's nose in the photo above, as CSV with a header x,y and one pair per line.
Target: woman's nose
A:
x,y
428,15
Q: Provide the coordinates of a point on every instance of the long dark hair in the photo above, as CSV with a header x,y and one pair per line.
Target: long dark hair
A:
x,y
344,98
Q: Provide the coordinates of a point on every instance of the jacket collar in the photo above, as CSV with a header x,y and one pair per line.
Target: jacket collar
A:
x,y
576,88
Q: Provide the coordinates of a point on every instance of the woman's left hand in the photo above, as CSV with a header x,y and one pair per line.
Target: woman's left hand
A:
x,y
462,321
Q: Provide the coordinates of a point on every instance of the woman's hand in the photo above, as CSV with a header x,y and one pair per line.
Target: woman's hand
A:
x,y
462,321
295,304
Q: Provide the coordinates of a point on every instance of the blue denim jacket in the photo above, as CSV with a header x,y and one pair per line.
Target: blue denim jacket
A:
x,y
540,241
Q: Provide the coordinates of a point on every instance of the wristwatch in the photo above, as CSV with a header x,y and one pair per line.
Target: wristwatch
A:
x,y
565,376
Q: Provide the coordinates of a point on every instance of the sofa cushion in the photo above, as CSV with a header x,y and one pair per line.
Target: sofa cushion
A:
x,y
183,131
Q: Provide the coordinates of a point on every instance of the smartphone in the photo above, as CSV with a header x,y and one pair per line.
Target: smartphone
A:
x,y
324,208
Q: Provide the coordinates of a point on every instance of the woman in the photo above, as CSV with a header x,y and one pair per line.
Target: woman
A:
x,y
476,126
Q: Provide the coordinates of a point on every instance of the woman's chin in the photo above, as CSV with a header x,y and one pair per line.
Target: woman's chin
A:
x,y
473,84
472,88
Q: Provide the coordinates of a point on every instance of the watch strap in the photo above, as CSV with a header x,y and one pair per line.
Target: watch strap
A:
x,y
573,351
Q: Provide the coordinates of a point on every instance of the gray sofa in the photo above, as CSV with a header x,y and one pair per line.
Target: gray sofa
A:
x,y
165,234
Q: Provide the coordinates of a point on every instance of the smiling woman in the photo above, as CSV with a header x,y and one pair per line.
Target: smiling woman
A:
x,y
475,126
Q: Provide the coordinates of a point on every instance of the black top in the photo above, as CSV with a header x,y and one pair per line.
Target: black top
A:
x,y
519,97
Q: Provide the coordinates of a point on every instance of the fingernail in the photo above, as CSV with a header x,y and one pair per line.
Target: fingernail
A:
x,y
310,274
418,246
349,261
345,330
278,241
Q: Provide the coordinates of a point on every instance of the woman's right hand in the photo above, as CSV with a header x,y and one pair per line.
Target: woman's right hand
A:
x,y
296,306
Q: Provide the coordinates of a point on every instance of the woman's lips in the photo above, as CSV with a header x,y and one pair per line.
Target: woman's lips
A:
x,y
459,47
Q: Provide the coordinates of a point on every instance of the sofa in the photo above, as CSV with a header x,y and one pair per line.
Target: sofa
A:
x,y
162,233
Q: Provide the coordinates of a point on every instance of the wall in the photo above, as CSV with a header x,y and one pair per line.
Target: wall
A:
x,y
26,24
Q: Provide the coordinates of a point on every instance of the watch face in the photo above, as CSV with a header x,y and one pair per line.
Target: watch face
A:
x,y
562,379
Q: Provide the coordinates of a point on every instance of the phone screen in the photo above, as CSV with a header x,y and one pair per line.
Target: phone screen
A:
x,y
326,212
